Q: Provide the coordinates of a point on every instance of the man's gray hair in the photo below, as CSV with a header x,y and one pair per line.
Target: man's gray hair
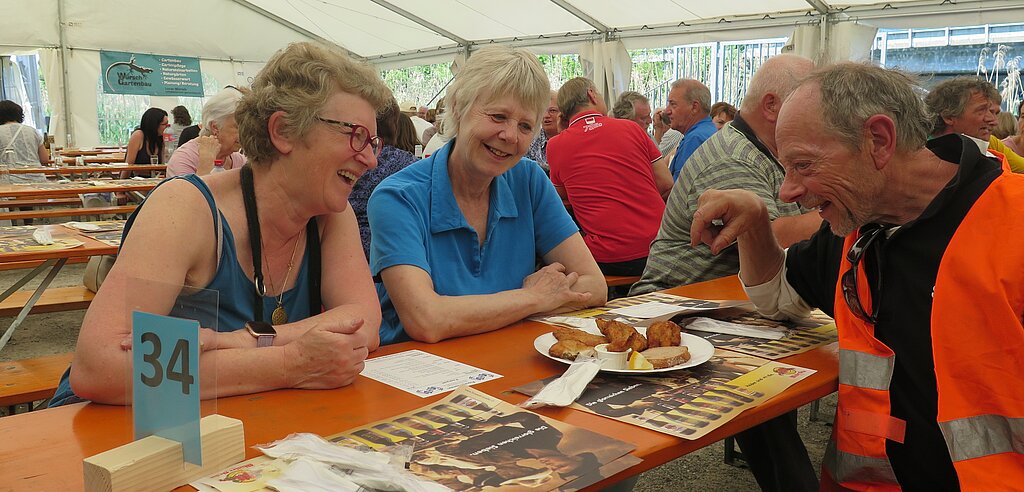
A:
x,y
493,72
779,75
853,92
572,96
624,105
949,99
695,91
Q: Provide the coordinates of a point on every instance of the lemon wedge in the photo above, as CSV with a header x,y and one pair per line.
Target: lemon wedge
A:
x,y
637,361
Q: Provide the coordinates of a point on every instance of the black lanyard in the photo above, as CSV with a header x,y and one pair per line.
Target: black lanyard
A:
x,y
256,245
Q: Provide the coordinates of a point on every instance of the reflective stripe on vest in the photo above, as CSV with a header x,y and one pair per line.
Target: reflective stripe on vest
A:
x,y
983,435
849,467
865,370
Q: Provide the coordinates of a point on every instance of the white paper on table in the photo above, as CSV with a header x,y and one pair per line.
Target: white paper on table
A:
x,y
315,447
308,475
564,390
586,324
728,328
651,309
424,374
42,236
83,226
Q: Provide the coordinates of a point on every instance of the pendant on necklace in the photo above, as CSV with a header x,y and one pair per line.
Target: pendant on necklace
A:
x,y
279,317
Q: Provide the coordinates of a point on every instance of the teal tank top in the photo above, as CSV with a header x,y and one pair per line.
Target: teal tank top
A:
x,y
226,303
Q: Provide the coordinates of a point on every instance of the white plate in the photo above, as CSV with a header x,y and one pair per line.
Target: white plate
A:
x,y
700,350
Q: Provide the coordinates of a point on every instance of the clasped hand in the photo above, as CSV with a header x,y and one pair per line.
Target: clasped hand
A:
x,y
553,287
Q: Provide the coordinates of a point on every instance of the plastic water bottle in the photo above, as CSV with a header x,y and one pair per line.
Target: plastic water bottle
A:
x,y
418,151
58,159
218,166
6,163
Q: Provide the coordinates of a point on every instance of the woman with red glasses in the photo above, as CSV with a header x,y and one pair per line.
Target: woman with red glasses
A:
x,y
275,239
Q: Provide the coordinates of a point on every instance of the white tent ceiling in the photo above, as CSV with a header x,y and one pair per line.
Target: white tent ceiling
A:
x,y
233,38
408,32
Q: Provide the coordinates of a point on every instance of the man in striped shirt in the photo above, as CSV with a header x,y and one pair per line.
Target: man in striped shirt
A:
x,y
741,155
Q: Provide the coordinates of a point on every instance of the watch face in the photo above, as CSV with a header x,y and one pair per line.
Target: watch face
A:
x,y
260,328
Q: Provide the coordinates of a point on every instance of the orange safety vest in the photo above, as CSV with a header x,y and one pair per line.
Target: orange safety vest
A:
x,y
1002,158
978,351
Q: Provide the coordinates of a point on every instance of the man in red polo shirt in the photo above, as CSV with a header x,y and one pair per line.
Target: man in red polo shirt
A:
x,y
613,177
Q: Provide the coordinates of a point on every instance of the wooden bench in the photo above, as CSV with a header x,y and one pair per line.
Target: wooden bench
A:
x,y
52,300
67,212
39,202
615,280
25,381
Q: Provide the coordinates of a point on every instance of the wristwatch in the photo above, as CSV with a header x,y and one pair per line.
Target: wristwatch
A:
x,y
264,332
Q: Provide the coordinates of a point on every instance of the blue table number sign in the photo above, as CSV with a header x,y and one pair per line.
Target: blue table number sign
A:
x,y
165,381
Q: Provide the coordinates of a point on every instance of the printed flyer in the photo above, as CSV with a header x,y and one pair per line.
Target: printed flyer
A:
x,y
469,441
683,305
688,403
799,336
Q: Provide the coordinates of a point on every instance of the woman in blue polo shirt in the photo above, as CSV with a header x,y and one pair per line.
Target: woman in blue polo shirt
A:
x,y
456,236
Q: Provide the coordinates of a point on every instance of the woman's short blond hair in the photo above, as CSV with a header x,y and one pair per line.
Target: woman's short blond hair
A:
x,y
299,80
492,72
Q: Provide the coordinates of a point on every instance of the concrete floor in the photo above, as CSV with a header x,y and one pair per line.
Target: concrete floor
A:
x,y
54,333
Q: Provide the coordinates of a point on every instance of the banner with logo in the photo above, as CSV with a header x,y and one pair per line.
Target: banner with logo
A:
x,y
150,75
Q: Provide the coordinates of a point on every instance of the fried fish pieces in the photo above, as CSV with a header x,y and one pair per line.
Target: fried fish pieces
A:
x,y
621,336
568,349
664,334
563,333
635,341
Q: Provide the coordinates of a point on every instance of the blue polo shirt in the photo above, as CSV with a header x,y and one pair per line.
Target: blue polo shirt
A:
x,y
695,136
415,220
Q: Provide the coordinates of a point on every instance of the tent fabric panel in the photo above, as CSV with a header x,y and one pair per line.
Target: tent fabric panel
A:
x,y
30,23
481,20
360,26
747,8
83,77
668,40
197,28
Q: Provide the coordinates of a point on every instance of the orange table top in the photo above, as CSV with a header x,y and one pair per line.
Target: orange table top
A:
x,y
49,190
91,247
45,449
88,169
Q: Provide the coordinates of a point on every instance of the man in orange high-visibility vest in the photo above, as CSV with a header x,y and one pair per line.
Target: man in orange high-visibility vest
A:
x,y
919,271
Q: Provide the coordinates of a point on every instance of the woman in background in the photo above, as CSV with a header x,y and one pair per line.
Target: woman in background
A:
x,y
148,139
1006,126
405,137
722,113
182,119
24,142
217,140
398,134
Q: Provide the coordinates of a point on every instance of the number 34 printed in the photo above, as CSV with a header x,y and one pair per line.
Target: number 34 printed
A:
x,y
177,366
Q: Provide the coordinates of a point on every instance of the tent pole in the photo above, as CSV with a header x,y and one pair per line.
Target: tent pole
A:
x,y
64,73
824,53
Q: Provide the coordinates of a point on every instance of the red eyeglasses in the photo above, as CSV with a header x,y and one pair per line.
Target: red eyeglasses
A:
x,y
849,279
359,136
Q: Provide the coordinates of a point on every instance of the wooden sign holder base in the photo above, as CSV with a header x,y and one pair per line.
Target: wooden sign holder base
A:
x,y
156,463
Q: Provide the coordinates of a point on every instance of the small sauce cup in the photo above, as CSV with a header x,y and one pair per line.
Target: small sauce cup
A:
x,y
611,360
